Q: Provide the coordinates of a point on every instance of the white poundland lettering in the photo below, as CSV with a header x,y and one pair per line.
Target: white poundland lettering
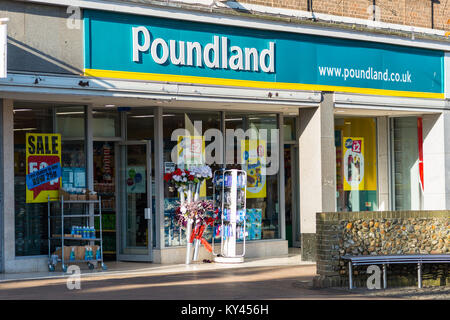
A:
x,y
164,49
213,55
138,47
193,310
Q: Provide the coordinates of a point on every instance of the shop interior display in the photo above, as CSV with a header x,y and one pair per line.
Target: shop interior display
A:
x,y
253,224
174,234
104,186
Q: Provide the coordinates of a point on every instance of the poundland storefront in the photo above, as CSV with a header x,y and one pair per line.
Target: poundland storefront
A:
x,y
332,115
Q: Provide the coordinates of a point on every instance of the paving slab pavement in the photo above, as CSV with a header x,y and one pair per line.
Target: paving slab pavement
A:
x,y
120,267
275,278
278,278
250,283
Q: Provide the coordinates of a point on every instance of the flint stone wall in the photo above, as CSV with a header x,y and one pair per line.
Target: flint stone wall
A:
x,y
381,233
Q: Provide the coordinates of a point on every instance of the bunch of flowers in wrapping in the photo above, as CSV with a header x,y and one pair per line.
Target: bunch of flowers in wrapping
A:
x,y
201,173
180,178
201,212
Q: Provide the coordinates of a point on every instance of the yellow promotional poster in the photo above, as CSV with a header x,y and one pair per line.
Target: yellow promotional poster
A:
x,y
191,152
358,167
253,154
43,167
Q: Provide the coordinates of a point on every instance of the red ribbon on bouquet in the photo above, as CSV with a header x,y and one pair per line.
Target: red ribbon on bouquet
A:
x,y
197,233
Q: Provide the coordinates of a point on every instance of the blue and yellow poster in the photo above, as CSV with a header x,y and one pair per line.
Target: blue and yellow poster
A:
x,y
253,154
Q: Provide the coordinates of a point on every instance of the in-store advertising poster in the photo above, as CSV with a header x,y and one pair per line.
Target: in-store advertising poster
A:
x,y
136,179
353,163
169,167
73,177
253,153
43,161
191,150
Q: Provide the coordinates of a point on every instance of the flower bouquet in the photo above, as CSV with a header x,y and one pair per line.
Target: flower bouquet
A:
x,y
200,212
189,181
192,214
200,173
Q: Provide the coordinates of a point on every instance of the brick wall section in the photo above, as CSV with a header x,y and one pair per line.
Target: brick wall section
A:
x,y
405,12
381,233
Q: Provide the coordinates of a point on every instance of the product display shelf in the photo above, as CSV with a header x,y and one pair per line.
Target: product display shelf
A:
x,y
52,260
107,191
229,190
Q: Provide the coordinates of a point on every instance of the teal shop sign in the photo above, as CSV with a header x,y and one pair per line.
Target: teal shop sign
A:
x,y
155,49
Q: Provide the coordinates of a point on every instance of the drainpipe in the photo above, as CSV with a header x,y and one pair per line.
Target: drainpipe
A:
x,y
432,12
374,10
310,5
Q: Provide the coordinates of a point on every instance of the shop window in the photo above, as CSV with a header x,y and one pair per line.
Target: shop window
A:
x,y
356,164
70,122
262,189
105,123
140,124
262,196
405,150
289,129
31,225
195,124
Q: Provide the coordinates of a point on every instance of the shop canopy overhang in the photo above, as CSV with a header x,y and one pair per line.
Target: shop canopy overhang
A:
x,y
101,91
377,106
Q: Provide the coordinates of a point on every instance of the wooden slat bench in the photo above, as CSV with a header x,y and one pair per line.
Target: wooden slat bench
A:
x,y
385,260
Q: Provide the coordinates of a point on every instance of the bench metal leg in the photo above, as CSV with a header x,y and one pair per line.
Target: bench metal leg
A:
x,y
350,275
384,277
419,275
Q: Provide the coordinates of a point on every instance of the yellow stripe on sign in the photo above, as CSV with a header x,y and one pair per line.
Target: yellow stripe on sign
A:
x,y
252,84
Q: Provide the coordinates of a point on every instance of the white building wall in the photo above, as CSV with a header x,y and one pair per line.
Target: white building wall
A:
x,y
436,158
317,166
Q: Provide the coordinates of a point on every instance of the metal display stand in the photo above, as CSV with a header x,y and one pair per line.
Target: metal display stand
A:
x,y
229,189
53,262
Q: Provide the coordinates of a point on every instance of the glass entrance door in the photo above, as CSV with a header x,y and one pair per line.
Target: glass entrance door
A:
x,y
135,194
